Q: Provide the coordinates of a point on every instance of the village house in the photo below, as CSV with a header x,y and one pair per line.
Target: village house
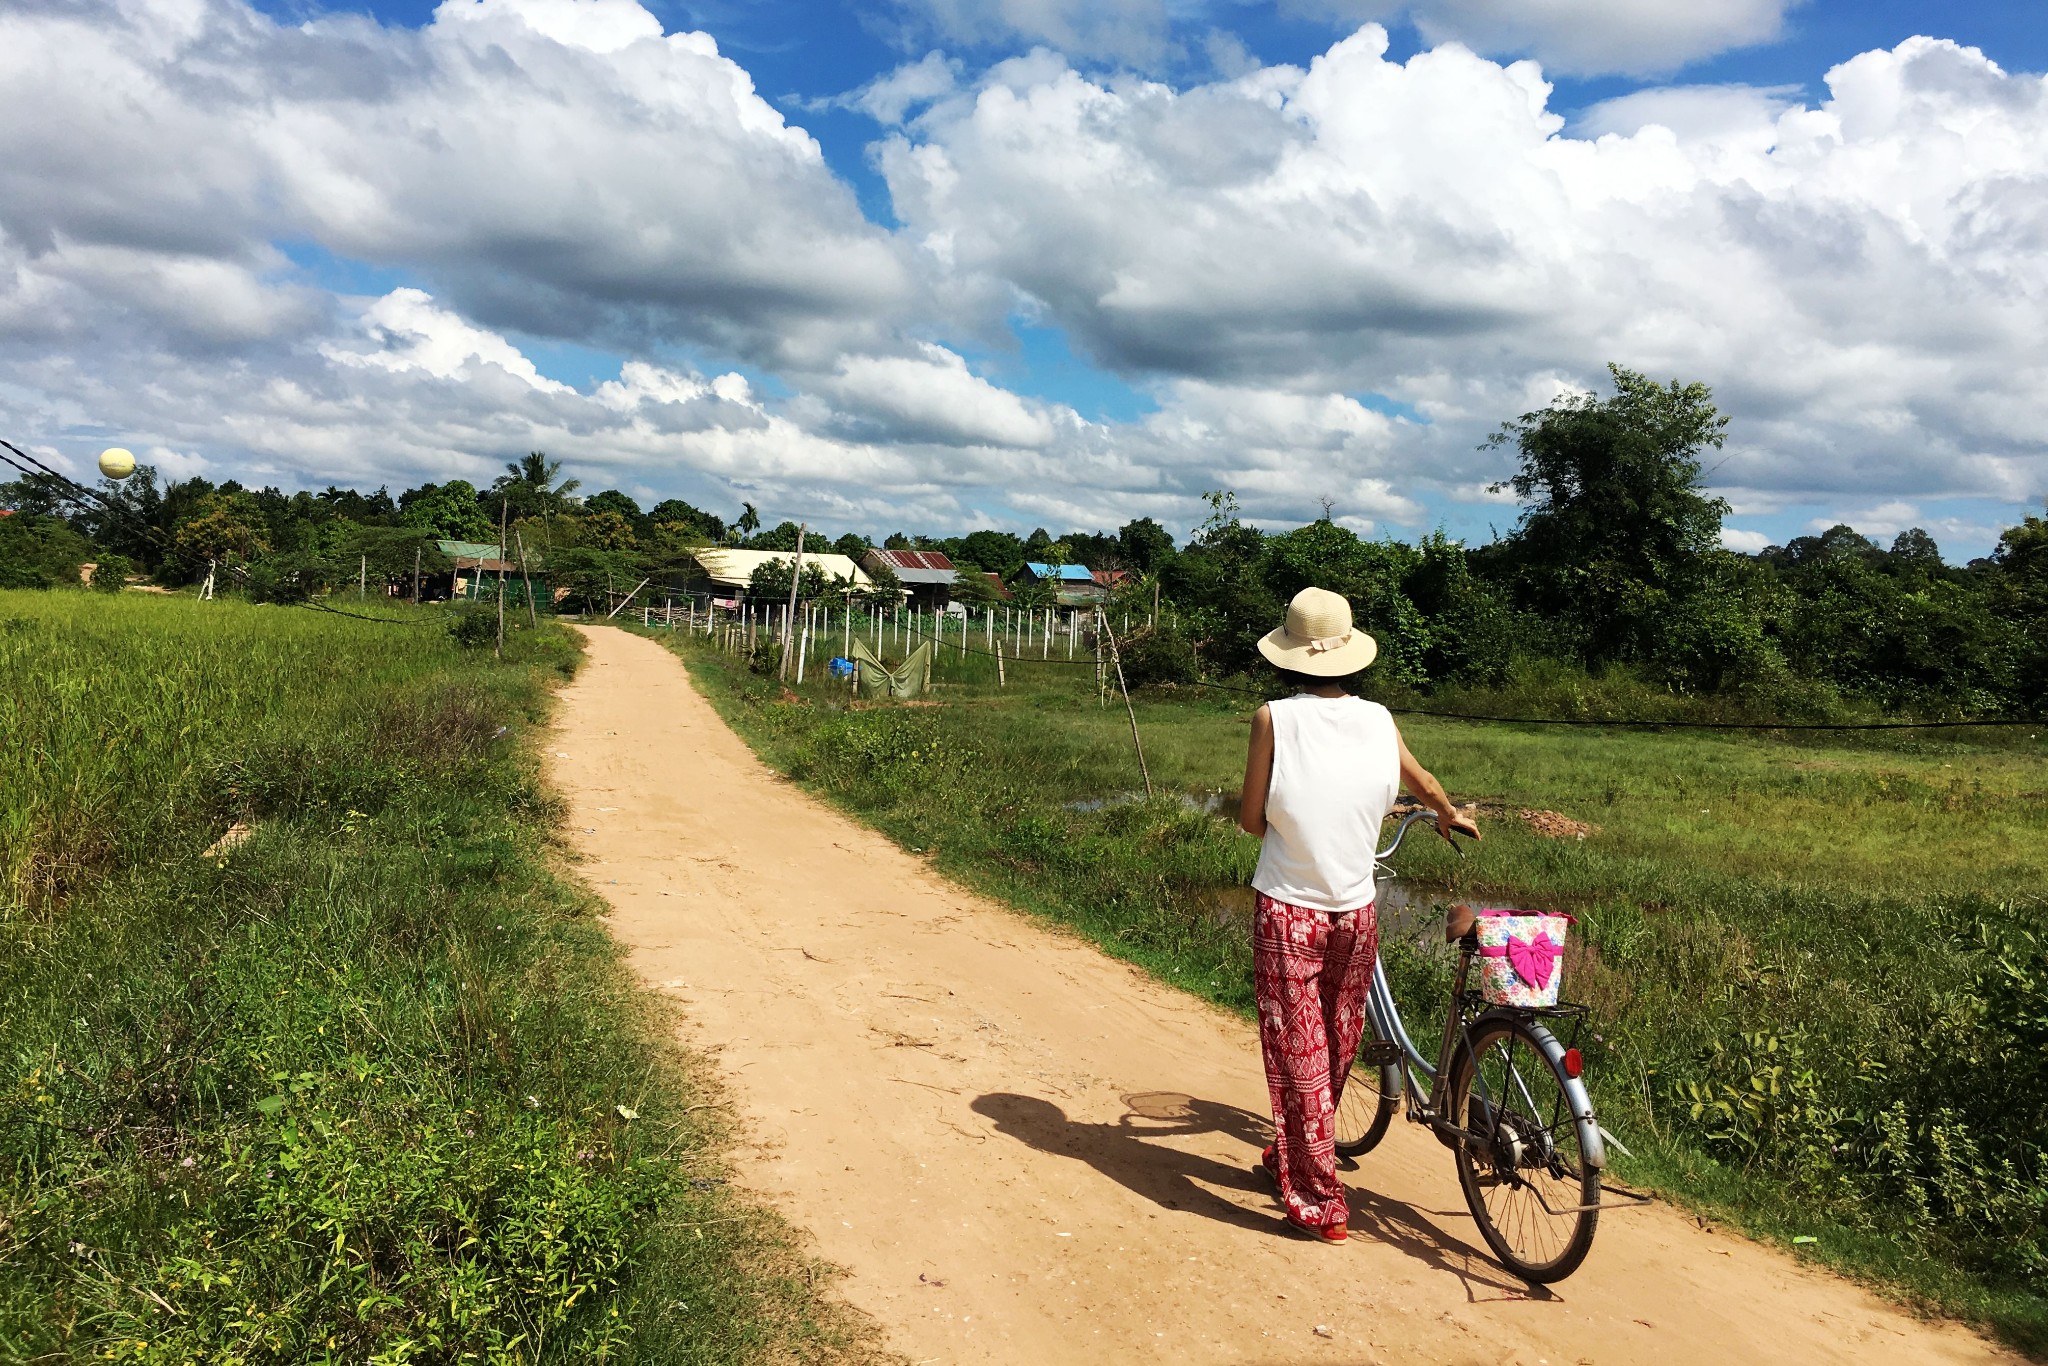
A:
x,y
926,574
1073,585
729,571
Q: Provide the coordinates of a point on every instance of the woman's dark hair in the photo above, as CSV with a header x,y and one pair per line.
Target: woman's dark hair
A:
x,y
1291,679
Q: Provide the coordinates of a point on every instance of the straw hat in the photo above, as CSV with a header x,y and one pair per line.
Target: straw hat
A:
x,y
1318,638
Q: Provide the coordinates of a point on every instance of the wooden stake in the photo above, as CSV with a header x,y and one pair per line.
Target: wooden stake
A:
x,y
1117,655
416,552
499,649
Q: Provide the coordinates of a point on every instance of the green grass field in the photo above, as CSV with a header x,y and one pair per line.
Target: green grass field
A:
x,y
1822,998
369,1086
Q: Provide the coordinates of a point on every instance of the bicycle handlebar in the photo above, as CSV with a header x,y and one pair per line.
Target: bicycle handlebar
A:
x,y
1401,832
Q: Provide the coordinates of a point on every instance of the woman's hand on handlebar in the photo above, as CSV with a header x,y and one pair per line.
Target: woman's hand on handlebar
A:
x,y
1459,823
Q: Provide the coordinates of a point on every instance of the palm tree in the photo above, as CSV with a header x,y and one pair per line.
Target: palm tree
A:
x,y
530,486
748,522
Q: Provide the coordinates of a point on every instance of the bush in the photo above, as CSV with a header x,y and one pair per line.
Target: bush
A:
x,y
110,573
473,627
39,552
1153,655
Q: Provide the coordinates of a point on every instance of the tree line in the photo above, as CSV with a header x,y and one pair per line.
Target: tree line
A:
x,y
1614,568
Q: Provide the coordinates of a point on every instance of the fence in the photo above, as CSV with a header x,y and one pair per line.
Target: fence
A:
x,y
996,636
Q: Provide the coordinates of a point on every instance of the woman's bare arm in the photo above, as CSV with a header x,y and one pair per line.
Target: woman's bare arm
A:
x,y
1431,794
1258,775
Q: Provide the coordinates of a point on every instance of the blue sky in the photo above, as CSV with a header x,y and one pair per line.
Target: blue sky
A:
x,y
1102,257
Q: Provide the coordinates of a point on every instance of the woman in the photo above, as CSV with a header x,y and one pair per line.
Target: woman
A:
x,y
1324,769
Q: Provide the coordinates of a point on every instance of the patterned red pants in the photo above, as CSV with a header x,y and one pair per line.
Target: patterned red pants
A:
x,y
1310,973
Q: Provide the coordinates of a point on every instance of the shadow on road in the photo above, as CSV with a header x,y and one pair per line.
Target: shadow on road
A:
x,y
1128,1152
1124,1151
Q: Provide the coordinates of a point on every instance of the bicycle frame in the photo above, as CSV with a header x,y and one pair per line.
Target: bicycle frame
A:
x,y
1416,1079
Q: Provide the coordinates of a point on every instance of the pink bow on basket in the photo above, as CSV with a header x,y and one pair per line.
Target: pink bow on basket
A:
x,y
1535,960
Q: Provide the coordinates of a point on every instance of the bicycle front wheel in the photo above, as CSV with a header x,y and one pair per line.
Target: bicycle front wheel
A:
x,y
1526,1181
1371,1095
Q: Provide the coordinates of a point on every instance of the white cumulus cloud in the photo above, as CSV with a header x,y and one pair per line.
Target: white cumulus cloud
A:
x,y
1861,281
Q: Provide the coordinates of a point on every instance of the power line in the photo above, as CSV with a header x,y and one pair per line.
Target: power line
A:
x,y
77,491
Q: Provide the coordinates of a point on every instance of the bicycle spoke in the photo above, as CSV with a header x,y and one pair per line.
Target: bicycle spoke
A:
x,y
1524,1174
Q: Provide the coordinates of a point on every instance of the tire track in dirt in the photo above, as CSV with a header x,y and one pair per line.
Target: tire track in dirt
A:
x,y
1024,1151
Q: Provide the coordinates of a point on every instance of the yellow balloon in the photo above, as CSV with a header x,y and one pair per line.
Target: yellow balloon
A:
x,y
116,463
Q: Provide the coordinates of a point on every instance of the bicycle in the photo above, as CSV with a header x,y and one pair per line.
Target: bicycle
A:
x,y
1504,1095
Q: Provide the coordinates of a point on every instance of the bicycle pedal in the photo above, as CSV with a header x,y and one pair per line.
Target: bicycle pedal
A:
x,y
1379,1053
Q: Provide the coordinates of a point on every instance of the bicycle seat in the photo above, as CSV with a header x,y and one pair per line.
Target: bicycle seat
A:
x,y
1459,921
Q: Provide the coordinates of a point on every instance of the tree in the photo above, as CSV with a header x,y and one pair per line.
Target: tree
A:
x,y
451,511
852,545
1145,545
226,531
1220,584
1915,548
606,530
770,581
998,552
1615,528
749,521
884,585
39,551
2018,591
532,486
781,536
694,521
611,500
1369,574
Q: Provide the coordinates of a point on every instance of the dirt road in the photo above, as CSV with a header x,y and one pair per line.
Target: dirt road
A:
x,y
1027,1152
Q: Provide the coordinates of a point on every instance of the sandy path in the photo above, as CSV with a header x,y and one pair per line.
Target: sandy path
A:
x,y
1027,1152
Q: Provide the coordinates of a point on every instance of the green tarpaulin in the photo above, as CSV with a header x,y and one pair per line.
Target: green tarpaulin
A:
x,y
908,679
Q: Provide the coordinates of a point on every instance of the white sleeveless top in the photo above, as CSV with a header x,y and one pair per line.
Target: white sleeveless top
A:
x,y
1336,773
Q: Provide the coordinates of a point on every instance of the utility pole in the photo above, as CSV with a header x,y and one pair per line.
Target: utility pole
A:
x,y
796,571
532,617
417,551
363,580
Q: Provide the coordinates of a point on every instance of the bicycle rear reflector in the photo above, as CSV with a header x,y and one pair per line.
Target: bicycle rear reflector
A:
x,y
1573,1063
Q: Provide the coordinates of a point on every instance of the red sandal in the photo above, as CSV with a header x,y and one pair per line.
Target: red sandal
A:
x,y
1327,1233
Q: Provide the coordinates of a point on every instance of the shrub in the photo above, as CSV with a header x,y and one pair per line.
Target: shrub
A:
x,y
110,573
473,627
1158,654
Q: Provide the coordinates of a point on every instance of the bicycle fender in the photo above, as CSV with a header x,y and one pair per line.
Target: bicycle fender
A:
x,y
1592,1143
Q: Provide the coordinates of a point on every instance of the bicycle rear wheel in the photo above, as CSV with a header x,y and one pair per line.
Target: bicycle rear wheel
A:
x,y
1525,1179
1371,1095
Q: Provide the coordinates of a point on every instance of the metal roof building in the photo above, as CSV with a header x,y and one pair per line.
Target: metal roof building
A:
x,y
914,566
729,568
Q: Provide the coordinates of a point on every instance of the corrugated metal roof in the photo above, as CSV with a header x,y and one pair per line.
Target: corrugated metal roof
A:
x,y
915,566
736,567
900,560
1074,573
470,550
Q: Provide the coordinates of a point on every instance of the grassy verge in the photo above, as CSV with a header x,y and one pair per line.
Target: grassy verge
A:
x,y
1823,1009
371,1085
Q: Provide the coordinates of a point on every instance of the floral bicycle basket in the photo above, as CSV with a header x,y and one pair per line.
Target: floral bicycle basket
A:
x,y
1521,956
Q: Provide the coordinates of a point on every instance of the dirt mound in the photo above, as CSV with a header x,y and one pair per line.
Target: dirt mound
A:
x,y
1556,825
